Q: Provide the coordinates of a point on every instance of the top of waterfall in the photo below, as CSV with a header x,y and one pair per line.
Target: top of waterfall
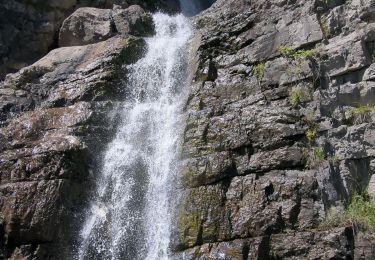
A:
x,y
194,7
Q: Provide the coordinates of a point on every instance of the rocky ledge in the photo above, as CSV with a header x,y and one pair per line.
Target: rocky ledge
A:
x,y
279,132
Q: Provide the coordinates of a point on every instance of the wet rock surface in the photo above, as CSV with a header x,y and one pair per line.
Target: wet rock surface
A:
x,y
275,82
56,116
279,123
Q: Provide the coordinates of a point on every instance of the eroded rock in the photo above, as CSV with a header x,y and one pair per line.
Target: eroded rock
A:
x,y
274,140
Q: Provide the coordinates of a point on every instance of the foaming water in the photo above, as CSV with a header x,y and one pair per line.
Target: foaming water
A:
x,y
130,217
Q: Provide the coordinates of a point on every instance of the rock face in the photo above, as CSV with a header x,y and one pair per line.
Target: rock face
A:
x,y
54,118
279,123
90,25
274,140
29,29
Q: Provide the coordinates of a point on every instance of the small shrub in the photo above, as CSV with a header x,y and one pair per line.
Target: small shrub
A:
x,y
314,157
361,114
298,55
311,134
360,212
298,95
286,51
258,70
324,26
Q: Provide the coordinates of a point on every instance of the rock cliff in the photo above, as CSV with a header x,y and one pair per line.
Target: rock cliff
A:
x,y
279,134
279,131
55,118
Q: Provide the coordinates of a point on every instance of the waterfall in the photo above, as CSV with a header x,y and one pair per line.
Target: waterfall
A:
x,y
130,214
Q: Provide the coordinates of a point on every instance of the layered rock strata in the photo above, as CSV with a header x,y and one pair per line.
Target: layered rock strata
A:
x,y
274,141
279,124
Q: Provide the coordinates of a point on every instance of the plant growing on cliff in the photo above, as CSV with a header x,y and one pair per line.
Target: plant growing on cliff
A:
x,y
298,55
297,70
314,157
361,114
258,71
323,22
311,134
360,212
299,95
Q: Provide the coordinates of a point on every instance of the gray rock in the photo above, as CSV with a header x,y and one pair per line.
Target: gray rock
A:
x,y
69,74
58,121
85,26
91,25
29,28
247,190
134,21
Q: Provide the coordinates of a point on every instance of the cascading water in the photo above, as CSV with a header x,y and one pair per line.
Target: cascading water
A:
x,y
130,215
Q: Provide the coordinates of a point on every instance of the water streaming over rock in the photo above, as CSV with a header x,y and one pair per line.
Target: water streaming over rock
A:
x,y
130,215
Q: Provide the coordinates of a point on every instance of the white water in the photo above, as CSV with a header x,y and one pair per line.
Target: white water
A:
x,y
130,217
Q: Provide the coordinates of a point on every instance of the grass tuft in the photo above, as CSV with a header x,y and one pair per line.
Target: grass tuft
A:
x,y
360,212
258,70
362,113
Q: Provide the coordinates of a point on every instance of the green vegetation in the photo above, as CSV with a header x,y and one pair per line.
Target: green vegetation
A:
x,y
258,70
298,95
314,157
361,114
297,74
298,55
324,26
311,134
360,212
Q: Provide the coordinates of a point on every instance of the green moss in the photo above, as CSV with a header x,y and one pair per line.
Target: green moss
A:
x,y
189,228
258,70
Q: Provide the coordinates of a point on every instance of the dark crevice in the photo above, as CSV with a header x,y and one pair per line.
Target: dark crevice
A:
x,y
296,209
264,248
245,251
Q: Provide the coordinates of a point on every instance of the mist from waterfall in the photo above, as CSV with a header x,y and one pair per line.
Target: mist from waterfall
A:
x,y
130,214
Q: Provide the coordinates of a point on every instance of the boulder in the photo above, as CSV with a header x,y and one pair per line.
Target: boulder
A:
x,y
29,28
134,21
91,25
85,26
